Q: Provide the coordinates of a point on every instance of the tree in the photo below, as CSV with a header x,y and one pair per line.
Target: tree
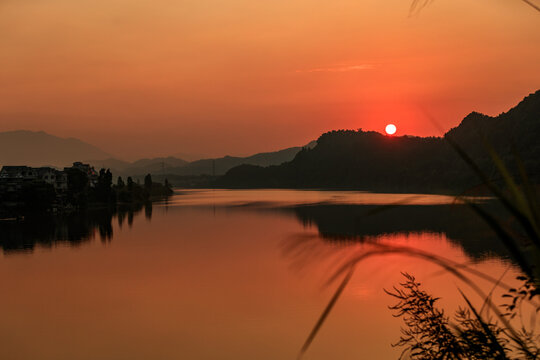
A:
x,y
77,186
37,197
120,183
148,182
103,191
129,183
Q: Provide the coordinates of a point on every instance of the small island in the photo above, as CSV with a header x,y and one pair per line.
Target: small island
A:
x,y
27,190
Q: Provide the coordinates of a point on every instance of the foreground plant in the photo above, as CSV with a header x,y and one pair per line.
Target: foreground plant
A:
x,y
417,5
430,334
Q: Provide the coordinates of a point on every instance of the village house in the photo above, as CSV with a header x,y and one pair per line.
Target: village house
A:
x,y
56,178
24,187
13,177
88,170
18,172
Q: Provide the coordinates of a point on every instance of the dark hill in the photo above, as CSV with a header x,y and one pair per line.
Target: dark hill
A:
x,y
221,165
371,161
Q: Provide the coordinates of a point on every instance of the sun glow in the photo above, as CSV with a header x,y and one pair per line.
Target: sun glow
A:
x,y
390,129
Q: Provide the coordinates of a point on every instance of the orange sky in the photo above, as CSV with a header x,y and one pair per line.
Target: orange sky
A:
x,y
159,77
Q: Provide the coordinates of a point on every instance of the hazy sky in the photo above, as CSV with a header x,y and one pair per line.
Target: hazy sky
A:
x,y
216,77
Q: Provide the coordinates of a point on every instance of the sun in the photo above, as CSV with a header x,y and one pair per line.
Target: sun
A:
x,y
391,129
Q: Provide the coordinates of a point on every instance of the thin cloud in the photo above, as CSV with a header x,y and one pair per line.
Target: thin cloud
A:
x,y
339,68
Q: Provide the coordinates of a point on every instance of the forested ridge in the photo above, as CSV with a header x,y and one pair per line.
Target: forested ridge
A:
x,y
368,160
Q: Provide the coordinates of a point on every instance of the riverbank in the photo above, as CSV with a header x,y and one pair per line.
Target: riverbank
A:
x,y
22,194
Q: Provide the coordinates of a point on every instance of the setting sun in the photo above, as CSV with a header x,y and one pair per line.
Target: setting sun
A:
x,y
390,129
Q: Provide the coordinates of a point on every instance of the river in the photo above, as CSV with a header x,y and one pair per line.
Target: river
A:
x,y
232,274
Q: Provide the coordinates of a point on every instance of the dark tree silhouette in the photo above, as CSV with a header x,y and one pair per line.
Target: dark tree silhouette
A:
x,y
120,183
78,184
148,182
103,190
129,183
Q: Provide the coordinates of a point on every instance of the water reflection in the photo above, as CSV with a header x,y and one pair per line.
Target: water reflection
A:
x,y
73,229
357,223
341,221
347,255
210,279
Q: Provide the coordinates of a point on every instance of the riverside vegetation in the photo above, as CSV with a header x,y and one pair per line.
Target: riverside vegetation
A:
x,y
37,197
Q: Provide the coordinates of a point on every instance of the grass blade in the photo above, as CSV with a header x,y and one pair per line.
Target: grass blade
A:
x,y
326,312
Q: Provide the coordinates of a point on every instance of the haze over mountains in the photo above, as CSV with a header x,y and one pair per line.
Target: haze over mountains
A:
x,y
179,167
221,165
41,149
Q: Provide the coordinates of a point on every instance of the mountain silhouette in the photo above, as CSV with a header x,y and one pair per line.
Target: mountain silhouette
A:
x,y
32,148
189,156
140,167
174,167
372,161
22,147
220,166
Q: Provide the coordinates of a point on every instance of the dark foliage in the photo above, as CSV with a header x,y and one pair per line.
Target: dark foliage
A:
x,y
33,197
429,334
37,197
135,193
103,191
129,183
148,182
78,184
120,183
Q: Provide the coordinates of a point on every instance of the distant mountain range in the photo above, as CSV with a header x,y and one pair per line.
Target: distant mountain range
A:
x,y
31,148
221,165
372,161
178,167
41,149
139,167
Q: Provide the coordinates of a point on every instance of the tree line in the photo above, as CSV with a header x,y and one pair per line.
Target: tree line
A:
x,y
36,197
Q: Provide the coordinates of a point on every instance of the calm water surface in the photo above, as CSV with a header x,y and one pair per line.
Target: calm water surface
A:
x,y
222,274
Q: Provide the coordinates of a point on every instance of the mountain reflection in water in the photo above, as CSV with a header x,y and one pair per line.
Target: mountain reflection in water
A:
x,y
355,223
355,216
335,215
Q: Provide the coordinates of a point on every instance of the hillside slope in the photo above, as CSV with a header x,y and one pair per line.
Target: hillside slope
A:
x,y
372,161
220,166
